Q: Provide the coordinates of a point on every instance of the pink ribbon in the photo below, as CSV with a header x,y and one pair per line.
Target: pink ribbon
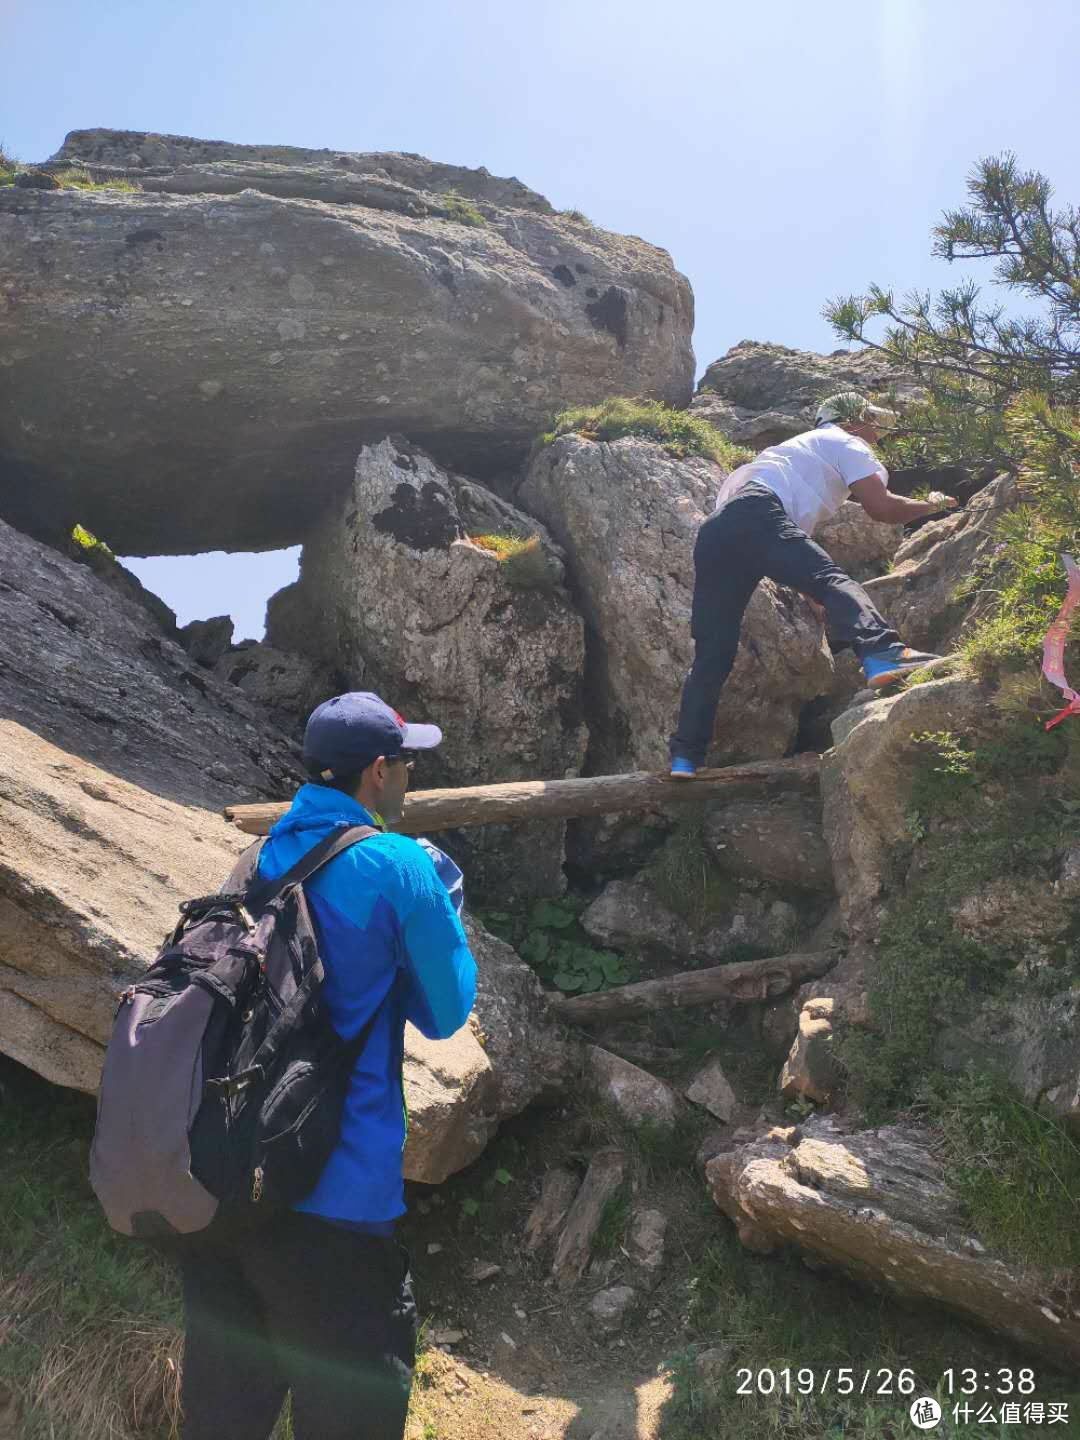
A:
x,y
1054,645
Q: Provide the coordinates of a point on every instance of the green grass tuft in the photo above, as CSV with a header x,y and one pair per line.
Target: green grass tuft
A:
x,y
522,559
680,433
459,210
76,178
1016,1169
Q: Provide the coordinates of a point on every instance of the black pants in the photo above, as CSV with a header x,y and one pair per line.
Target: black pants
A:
x,y
752,536
300,1305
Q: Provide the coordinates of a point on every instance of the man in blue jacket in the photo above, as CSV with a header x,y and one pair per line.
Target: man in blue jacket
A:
x,y
319,1302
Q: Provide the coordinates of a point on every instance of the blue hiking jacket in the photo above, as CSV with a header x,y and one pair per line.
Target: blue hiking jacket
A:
x,y
386,918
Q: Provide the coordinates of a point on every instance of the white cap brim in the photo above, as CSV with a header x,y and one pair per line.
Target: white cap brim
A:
x,y
883,419
420,737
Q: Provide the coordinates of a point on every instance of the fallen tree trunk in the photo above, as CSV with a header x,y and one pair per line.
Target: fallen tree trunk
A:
x,y
744,981
430,810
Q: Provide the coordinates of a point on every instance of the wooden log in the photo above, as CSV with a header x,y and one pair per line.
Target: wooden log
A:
x,y
608,1170
430,810
744,981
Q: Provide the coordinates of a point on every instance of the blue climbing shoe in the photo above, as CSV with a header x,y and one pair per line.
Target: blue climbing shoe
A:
x,y
682,769
885,666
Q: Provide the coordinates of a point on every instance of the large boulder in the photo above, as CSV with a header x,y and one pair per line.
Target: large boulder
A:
x,y
284,685
627,514
194,366
876,1205
862,547
116,755
759,394
921,596
396,593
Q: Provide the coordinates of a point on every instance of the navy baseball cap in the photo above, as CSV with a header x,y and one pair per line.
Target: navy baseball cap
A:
x,y
347,733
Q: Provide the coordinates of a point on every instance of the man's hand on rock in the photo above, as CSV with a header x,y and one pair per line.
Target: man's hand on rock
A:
x,y
938,497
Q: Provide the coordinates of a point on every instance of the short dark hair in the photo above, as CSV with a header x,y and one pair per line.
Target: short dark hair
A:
x,y
347,784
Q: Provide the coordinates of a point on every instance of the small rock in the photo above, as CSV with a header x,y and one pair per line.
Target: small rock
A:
x,y
609,1307
646,1243
635,1094
811,1069
711,1088
715,1369
484,1270
521,1315
448,1337
507,1340
434,1248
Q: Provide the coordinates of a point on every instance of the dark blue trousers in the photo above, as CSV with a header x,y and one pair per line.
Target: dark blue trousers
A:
x,y
750,537
296,1304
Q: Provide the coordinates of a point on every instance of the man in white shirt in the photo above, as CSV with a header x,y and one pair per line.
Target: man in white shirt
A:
x,y
764,516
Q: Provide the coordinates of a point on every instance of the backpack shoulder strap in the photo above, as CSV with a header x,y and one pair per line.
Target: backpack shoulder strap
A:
x,y
327,849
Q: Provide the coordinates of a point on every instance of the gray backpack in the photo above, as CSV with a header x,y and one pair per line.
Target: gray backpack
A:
x,y
224,1079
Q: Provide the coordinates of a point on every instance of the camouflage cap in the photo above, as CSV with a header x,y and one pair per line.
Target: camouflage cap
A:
x,y
848,407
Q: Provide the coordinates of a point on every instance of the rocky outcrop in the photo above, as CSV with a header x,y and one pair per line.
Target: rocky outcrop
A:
x,y
116,754
629,915
921,595
283,685
866,785
195,370
93,672
627,514
876,1206
396,592
862,547
92,869
759,394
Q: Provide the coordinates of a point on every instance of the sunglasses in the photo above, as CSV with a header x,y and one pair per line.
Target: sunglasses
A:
x,y
406,758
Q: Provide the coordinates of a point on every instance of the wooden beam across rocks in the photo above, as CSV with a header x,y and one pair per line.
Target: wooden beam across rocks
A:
x,y
745,981
429,810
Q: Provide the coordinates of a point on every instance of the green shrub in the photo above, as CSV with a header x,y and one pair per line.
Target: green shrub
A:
x,y
8,165
458,209
685,878
578,216
680,433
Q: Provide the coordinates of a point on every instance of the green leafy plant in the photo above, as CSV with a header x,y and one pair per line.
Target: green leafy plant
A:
x,y
578,216
8,166
677,431
550,939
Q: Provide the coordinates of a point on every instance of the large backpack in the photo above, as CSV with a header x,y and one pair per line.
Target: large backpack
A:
x,y
224,1079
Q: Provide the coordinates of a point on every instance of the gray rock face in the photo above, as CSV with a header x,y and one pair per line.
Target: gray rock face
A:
x,y
864,548
876,1206
627,515
629,915
759,394
92,671
394,591
206,641
811,1069
221,353
778,841
283,685
919,595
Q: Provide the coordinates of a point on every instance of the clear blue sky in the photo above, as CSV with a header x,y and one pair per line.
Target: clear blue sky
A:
x,y
782,152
